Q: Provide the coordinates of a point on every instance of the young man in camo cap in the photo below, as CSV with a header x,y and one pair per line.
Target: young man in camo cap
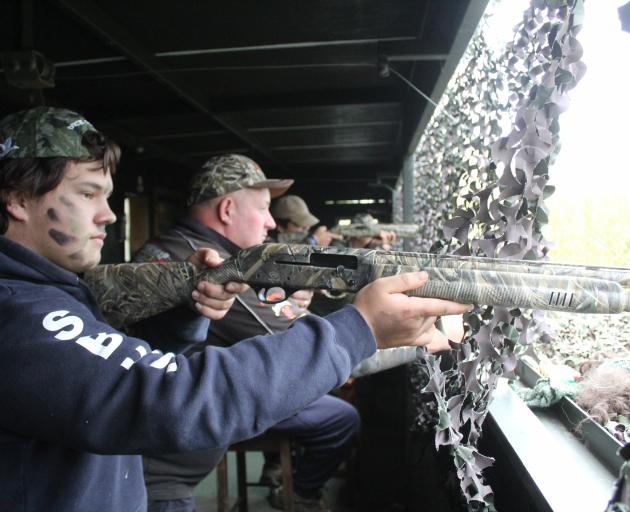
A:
x,y
77,394
69,382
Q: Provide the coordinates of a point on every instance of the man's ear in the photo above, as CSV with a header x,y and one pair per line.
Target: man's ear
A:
x,y
226,210
16,206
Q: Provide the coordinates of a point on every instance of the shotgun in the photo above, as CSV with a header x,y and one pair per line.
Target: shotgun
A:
x,y
129,292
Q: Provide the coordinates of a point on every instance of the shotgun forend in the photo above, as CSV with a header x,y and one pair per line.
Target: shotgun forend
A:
x,y
129,292
356,230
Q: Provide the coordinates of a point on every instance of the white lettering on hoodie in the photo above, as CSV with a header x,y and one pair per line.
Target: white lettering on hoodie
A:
x,y
103,344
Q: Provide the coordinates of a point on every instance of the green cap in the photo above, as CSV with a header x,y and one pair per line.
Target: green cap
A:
x,y
227,173
44,132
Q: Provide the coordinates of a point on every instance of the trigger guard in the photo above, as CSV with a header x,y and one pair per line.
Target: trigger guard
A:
x,y
263,295
334,296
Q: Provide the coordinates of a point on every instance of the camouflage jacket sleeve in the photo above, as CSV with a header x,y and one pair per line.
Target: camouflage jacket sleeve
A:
x,y
180,328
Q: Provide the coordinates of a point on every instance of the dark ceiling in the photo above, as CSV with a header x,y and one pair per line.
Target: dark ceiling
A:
x,y
294,84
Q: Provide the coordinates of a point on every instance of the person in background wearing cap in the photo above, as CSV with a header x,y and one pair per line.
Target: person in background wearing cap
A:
x,y
324,304
80,400
228,211
293,220
384,240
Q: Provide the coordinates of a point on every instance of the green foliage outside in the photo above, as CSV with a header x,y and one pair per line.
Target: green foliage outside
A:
x,y
590,230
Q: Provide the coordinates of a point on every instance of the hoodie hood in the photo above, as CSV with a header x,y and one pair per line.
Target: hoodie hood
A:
x,y
16,261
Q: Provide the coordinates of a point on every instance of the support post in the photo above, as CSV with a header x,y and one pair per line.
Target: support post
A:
x,y
408,194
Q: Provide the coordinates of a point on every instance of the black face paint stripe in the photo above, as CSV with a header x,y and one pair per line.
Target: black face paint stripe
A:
x,y
65,201
52,215
60,238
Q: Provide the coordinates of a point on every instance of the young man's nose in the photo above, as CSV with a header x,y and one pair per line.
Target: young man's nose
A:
x,y
106,216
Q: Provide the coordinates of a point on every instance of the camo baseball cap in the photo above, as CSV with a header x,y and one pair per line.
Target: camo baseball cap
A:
x,y
227,173
44,132
294,209
363,218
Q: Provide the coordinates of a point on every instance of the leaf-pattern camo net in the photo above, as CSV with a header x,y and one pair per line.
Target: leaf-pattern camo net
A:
x,y
500,186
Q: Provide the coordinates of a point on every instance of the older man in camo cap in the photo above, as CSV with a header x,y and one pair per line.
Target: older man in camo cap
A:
x,y
228,173
229,210
228,199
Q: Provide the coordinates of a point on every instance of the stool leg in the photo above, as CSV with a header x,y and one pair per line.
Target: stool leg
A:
x,y
287,476
222,493
241,474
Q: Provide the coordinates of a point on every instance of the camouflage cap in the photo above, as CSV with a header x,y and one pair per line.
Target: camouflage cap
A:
x,y
364,218
44,132
294,209
227,173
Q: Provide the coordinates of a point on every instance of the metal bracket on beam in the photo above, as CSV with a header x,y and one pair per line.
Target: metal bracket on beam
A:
x,y
28,69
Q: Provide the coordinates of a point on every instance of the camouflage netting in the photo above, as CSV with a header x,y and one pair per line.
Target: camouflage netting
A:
x,y
500,186
578,340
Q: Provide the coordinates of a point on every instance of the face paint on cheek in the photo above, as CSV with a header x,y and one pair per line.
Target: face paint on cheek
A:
x,y
61,238
66,202
74,221
52,215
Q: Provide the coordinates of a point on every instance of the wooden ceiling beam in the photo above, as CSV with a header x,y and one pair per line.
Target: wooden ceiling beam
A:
x,y
100,22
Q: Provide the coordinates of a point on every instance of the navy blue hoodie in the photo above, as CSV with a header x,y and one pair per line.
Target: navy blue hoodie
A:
x,y
80,401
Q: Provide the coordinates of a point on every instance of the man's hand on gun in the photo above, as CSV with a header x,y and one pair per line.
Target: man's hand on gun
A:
x,y
213,300
398,320
324,237
452,330
302,298
394,318
384,240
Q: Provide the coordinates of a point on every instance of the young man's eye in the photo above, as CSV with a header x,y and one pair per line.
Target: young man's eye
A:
x,y
88,195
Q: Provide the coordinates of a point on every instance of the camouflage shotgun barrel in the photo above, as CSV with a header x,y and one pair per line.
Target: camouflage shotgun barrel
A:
x,y
131,291
356,230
